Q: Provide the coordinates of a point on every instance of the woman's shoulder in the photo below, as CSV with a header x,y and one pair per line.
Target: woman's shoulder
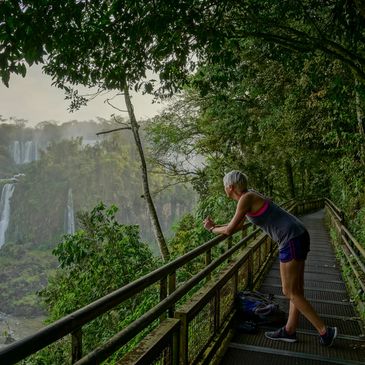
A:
x,y
253,200
254,195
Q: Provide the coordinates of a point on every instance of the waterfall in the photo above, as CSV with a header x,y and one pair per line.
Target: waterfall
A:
x,y
70,218
6,195
36,153
28,155
24,152
16,151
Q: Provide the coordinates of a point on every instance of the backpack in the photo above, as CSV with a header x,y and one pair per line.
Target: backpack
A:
x,y
255,308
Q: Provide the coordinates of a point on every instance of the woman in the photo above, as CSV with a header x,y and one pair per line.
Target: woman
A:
x,y
293,240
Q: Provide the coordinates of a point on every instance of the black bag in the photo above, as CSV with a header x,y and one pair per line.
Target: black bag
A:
x,y
258,308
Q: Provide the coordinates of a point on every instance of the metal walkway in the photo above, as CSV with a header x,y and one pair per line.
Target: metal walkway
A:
x,y
326,291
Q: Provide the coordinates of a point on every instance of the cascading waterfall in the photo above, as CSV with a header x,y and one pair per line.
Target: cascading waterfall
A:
x,y
16,151
6,195
24,152
28,149
36,152
70,216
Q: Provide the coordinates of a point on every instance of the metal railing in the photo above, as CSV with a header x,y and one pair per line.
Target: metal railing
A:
x,y
240,265
351,254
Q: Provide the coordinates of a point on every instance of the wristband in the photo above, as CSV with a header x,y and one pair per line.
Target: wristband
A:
x,y
211,229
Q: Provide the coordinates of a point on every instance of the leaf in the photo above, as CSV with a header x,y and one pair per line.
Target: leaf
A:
x,y
5,77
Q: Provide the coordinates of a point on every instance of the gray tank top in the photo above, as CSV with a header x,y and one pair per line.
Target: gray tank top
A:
x,y
280,225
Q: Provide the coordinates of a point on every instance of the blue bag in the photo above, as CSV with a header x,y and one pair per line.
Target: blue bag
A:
x,y
253,306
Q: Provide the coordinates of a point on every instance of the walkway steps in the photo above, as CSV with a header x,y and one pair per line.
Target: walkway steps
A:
x,y
325,289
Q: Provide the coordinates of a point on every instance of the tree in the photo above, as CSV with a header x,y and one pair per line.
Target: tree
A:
x,y
110,42
98,259
280,116
102,67
134,127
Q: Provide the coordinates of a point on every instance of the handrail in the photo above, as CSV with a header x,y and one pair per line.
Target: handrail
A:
x,y
121,338
77,319
335,210
72,323
352,250
354,241
339,216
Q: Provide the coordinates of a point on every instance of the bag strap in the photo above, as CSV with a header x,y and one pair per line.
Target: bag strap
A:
x,y
263,311
255,295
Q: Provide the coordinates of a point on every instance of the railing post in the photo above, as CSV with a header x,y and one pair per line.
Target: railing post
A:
x,y
76,345
176,348
235,283
163,295
229,245
208,257
342,234
217,310
208,260
342,216
250,271
244,231
183,338
172,288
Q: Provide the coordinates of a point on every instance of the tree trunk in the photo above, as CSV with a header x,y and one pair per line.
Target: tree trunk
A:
x,y
360,120
290,177
146,190
360,4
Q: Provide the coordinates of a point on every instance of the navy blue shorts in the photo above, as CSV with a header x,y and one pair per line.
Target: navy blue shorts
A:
x,y
296,249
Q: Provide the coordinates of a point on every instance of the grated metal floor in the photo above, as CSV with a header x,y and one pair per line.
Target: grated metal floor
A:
x,y
326,291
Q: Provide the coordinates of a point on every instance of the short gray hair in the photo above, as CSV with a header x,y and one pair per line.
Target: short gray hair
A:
x,y
237,179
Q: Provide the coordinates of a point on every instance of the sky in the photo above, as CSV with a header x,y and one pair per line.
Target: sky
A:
x,y
34,99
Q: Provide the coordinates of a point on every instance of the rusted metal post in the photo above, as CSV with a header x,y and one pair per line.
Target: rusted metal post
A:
x,y
76,344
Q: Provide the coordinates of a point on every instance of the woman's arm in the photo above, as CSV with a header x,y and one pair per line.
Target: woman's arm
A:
x,y
221,228
236,223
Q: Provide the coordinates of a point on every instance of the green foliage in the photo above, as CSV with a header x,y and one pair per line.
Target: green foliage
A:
x,y
102,257
129,38
289,120
190,232
358,225
23,271
106,172
278,92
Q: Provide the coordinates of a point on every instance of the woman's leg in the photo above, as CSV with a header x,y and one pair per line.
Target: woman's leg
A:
x,y
292,276
293,317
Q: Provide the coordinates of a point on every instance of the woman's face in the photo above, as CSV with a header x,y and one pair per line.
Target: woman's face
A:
x,y
228,189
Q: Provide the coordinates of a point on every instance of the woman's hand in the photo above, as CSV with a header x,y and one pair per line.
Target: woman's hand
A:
x,y
208,223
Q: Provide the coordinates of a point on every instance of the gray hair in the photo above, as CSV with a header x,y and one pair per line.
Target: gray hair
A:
x,y
237,179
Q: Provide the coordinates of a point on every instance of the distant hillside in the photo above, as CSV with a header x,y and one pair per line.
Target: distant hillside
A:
x,y
55,172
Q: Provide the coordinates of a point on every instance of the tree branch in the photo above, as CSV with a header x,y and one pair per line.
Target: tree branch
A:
x,y
113,130
113,106
312,44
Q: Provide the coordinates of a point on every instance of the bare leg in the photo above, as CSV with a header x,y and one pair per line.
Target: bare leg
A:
x,y
293,318
292,276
